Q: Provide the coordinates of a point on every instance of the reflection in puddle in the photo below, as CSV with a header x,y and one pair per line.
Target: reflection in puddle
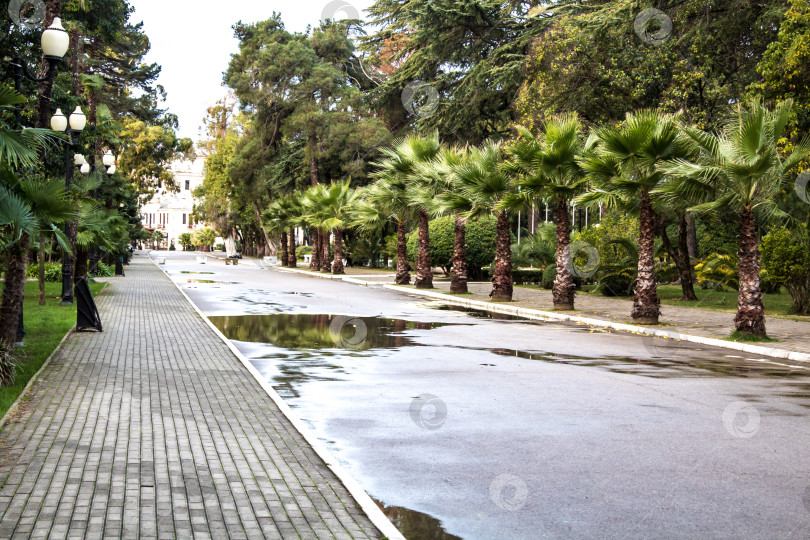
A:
x,y
415,525
482,314
305,331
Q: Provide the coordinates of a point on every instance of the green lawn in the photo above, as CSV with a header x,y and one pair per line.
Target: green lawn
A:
x,y
45,327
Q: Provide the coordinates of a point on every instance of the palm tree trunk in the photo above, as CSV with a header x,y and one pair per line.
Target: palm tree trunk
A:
x,y
563,289
403,273
502,278
646,308
315,261
12,301
424,274
337,267
291,258
41,269
285,259
458,282
683,262
750,317
326,260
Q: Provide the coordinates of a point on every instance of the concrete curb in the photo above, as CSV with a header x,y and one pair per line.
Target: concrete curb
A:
x,y
369,507
537,314
345,278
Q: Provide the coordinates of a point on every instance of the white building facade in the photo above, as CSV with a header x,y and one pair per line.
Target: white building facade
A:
x,y
170,212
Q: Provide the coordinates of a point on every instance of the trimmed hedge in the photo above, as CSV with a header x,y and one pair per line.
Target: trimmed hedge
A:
x,y
480,235
527,277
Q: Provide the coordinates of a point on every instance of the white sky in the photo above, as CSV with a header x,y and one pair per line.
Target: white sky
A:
x,y
193,41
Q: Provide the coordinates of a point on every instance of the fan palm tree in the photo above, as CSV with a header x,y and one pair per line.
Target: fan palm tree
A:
x,y
741,169
337,202
483,187
313,214
548,167
19,218
27,208
382,202
22,147
625,166
403,161
279,218
442,171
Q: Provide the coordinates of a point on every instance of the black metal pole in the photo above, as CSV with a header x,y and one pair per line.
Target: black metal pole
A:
x,y
67,260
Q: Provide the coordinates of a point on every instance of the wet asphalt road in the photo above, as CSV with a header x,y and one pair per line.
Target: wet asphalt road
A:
x,y
507,429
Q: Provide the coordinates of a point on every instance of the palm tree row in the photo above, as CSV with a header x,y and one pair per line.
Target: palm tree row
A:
x,y
650,165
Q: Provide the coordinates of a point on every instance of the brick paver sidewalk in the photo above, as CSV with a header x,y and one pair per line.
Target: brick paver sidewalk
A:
x,y
154,429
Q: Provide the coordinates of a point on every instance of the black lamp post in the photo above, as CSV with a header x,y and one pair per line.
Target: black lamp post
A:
x,y
75,124
108,159
55,43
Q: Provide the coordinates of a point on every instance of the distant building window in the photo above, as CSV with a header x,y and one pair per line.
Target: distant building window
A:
x,y
188,185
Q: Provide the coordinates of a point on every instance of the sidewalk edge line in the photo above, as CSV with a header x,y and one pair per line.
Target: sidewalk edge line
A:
x,y
369,507
537,314
14,406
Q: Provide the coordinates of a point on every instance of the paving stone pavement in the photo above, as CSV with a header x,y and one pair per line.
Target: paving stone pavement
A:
x,y
153,429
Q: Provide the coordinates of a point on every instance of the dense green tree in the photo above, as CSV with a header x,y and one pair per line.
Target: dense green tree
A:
x,y
470,52
593,62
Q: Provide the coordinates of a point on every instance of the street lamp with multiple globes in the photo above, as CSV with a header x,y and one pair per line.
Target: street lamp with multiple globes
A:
x,y
108,160
55,43
75,124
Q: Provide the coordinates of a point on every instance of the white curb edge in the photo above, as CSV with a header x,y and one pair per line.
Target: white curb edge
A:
x,y
537,314
369,507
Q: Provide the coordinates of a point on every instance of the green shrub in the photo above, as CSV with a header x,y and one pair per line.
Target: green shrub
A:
x,y
602,235
666,272
480,236
537,250
786,261
53,272
527,277
617,283
300,251
716,237
105,270
171,247
718,272
617,273
549,275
